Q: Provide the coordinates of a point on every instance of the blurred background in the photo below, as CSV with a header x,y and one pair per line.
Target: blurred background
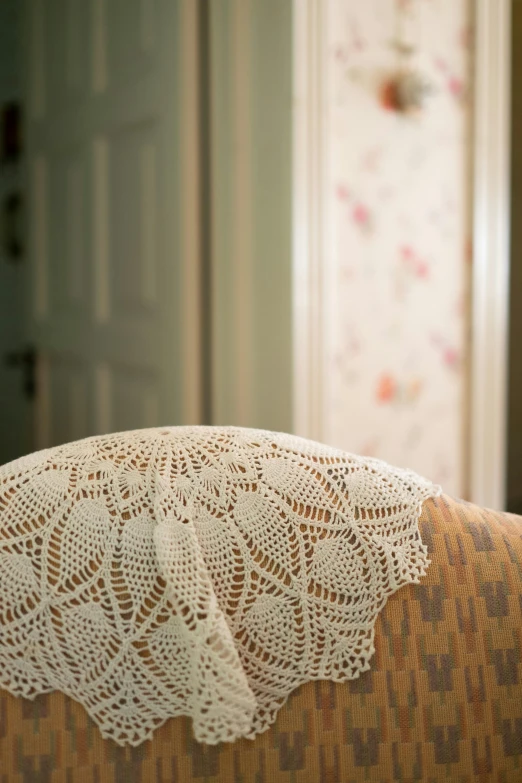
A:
x,y
248,212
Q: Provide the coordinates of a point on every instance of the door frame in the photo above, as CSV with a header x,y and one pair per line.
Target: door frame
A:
x,y
309,230
491,254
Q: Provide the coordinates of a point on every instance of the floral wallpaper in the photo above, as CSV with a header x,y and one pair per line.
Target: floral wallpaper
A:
x,y
399,207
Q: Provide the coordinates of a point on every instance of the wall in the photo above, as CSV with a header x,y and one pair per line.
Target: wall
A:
x,y
13,407
399,206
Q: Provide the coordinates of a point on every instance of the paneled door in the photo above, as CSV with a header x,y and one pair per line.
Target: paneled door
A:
x,y
112,181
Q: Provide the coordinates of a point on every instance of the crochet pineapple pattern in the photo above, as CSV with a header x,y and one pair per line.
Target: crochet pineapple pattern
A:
x,y
201,571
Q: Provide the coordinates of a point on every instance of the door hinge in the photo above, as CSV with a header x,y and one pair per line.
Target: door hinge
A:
x,y
26,361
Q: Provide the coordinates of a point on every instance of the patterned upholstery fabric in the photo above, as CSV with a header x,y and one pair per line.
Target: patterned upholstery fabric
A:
x,y
442,700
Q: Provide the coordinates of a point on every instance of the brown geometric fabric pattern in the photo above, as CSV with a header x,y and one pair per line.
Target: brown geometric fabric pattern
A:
x,y
441,702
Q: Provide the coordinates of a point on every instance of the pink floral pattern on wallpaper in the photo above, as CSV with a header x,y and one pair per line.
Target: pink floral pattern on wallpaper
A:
x,y
400,197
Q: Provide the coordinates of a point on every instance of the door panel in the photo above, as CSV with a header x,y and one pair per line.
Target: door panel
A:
x,y
68,416
133,397
132,30
67,254
67,72
133,196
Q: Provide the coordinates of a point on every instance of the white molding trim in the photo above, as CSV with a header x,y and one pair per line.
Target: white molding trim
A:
x,y
308,238
191,220
491,219
241,241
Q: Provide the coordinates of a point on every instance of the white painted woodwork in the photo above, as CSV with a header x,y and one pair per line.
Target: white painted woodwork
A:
x,y
112,96
250,236
490,305
309,219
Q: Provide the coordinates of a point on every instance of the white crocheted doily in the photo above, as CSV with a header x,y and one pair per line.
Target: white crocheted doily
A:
x,y
201,571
